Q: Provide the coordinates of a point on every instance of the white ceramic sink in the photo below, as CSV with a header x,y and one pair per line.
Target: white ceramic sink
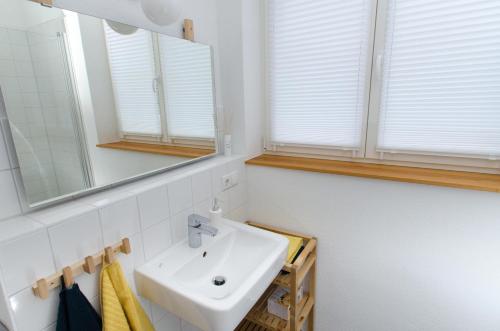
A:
x,y
181,279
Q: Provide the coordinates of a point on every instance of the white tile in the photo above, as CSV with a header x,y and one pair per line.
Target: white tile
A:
x,y
179,225
4,35
119,220
238,166
203,208
237,195
106,198
27,84
145,304
180,195
7,68
239,214
24,68
135,258
217,174
21,193
89,283
185,326
5,51
9,203
31,313
26,259
75,239
169,322
4,157
9,143
156,239
153,206
16,227
57,214
21,53
3,111
17,37
202,186
157,312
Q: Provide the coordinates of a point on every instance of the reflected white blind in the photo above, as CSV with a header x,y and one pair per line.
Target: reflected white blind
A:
x,y
317,70
441,77
131,61
188,89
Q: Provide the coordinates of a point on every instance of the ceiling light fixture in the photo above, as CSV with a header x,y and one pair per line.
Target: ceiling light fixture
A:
x,y
162,12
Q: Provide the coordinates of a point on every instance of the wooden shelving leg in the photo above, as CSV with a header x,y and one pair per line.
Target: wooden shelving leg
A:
x,y
312,294
293,299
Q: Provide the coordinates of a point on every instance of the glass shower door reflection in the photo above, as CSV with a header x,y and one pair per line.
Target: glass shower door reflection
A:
x,y
42,108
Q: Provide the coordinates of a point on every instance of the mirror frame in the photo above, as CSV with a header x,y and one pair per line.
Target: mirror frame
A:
x,y
27,206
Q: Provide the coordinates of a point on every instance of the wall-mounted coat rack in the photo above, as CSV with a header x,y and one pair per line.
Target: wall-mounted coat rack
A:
x,y
88,265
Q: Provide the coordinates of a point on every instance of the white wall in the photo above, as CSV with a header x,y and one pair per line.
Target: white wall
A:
x,y
391,256
99,78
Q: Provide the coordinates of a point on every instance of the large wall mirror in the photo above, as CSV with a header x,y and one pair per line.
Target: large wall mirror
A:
x,y
92,102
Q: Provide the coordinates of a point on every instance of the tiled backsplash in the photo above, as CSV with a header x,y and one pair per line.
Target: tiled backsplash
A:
x,y
152,213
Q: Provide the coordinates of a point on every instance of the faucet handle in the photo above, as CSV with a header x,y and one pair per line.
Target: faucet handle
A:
x,y
196,220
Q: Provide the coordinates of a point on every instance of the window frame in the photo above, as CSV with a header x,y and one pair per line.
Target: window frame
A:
x,y
163,138
369,153
316,150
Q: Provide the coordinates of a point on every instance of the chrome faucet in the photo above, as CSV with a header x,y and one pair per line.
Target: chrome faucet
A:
x,y
197,225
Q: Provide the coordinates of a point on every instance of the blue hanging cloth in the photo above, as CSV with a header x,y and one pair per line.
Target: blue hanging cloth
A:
x,y
75,311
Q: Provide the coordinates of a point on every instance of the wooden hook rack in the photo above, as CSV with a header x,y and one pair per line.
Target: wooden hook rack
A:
x,y
88,265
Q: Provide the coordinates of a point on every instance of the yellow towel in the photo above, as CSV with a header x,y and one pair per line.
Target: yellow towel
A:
x,y
121,311
293,247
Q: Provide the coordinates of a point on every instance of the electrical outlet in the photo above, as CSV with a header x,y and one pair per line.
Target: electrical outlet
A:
x,y
229,180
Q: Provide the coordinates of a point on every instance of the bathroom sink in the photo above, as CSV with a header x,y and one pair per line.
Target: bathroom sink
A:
x,y
214,286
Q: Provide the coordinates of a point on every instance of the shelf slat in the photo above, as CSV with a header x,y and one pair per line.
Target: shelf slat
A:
x,y
259,314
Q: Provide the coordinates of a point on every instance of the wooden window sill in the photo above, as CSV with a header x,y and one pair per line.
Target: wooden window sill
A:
x,y
159,149
448,178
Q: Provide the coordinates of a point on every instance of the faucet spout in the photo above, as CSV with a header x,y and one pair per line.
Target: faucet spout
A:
x,y
198,225
208,230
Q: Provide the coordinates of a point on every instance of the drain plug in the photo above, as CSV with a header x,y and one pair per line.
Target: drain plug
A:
x,y
219,280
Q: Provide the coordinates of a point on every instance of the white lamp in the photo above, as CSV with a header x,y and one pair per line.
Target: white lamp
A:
x,y
162,12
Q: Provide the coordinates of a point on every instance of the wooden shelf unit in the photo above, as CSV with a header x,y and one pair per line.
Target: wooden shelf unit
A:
x,y
291,277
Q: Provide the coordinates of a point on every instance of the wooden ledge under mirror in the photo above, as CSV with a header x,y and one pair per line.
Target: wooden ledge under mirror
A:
x,y
448,178
159,149
96,81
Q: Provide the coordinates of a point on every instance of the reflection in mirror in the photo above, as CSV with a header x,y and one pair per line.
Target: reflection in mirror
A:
x,y
92,102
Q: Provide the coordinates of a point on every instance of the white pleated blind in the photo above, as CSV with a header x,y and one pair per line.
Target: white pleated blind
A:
x,y
188,89
132,67
317,69
441,77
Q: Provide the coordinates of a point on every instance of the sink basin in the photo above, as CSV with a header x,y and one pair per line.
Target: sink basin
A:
x,y
214,286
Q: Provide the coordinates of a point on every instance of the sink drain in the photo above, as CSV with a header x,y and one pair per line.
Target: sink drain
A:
x,y
219,280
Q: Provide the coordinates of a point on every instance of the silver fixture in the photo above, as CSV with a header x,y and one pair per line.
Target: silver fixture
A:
x,y
219,280
198,225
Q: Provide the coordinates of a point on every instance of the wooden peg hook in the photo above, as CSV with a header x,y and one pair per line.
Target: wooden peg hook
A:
x,y
42,288
68,277
109,255
89,266
125,247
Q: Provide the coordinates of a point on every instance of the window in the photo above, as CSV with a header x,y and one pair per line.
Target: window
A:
x,y
434,91
319,61
187,77
163,88
131,62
